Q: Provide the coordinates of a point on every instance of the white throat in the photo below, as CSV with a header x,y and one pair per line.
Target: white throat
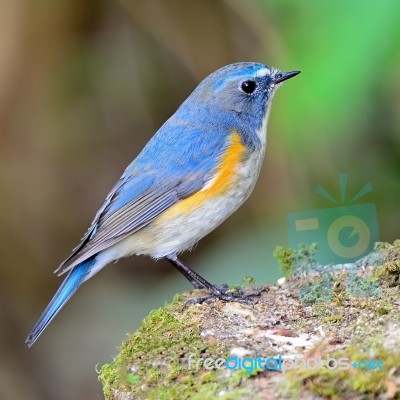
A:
x,y
262,131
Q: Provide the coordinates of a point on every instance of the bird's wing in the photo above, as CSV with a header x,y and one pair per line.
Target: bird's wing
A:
x,y
165,172
147,201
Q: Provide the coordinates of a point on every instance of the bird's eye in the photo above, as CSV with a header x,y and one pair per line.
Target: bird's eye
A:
x,y
248,87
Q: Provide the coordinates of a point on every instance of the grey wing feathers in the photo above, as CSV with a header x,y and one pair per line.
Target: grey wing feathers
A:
x,y
107,230
92,227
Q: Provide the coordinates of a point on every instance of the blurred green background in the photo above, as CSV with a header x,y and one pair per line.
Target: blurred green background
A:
x,y
84,85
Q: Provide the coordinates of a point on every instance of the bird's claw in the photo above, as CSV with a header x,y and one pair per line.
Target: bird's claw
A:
x,y
222,293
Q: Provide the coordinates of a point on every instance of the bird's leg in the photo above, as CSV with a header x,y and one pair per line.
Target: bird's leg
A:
x,y
193,277
200,283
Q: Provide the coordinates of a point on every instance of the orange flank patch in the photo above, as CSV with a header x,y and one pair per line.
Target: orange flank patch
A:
x,y
225,175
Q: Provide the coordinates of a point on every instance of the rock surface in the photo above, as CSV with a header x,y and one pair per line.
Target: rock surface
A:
x,y
321,335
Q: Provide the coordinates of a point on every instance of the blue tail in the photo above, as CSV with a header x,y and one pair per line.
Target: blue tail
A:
x,y
69,286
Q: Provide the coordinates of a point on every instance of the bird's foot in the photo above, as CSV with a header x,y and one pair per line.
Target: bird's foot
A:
x,y
224,293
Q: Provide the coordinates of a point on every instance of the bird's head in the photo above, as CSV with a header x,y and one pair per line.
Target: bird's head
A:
x,y
242,89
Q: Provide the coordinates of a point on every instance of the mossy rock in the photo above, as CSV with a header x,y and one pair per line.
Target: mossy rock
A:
x,y
356,322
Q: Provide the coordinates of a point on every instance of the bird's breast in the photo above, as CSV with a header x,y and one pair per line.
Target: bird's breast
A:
x,y
182,225
225,176
185,223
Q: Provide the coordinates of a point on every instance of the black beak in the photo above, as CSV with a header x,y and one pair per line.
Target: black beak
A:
x,y
283,76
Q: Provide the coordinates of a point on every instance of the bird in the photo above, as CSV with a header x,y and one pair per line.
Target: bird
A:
x,y
198,168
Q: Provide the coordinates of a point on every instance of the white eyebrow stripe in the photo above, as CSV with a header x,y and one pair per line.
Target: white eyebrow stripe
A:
x,y
262,72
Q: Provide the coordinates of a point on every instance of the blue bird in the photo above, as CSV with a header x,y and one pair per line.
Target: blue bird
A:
x,y
198,169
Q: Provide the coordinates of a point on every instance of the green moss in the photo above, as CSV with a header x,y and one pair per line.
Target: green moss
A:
x,y
356,382
152,351
292,260
339,293
247,281
321,309
388,274
285,258
153,362
108,377
207,391
384,307
333,318
176,300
